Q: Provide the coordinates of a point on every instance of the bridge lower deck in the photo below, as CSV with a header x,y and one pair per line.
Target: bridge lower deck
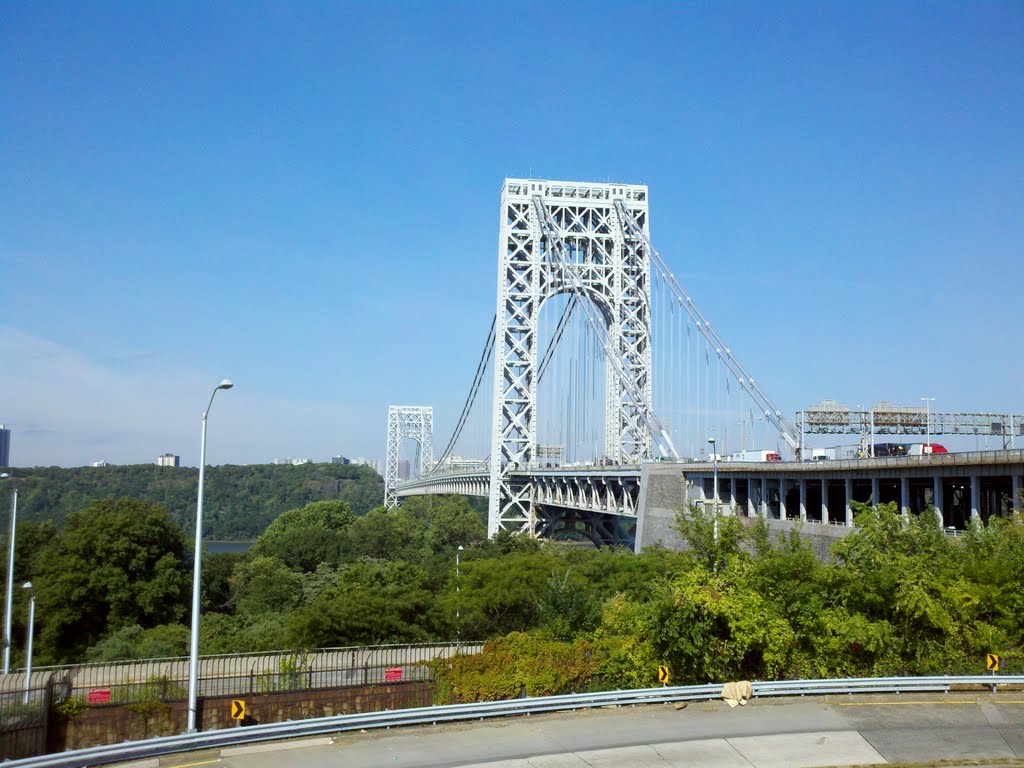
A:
x,y
959,487
611,499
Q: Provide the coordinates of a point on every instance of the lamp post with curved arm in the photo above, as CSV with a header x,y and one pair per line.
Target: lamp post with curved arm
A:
x,y
193,659
10,578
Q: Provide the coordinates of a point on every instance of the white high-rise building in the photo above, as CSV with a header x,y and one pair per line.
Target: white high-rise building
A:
x,y
373,464
168,460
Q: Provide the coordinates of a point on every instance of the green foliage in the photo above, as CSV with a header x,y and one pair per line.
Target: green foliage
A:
x,y
305,537
372,602
420,527
223,633
568,607
240,501
216,580
70,708
628,632
134,642
898,597
265,584
500,595
150,697
116,564
291,674
517,665
712,537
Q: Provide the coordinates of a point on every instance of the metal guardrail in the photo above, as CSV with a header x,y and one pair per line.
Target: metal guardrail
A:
x,y
151,748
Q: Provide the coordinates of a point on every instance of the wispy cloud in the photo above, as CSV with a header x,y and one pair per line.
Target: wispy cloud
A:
x,y
68,409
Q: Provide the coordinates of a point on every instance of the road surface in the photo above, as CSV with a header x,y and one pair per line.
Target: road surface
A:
x,y
767,733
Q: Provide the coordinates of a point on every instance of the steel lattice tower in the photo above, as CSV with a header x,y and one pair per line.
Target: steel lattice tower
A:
x,y
615,271
408,421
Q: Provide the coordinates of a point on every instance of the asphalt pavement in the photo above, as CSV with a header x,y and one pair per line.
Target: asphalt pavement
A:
x,y
767,733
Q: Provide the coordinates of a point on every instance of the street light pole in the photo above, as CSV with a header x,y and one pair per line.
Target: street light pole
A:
x,y
31,627
193,659
10,581
714,465
927,425
458,615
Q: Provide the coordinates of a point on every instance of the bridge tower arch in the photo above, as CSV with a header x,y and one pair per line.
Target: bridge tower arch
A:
x,y
615,271
407,421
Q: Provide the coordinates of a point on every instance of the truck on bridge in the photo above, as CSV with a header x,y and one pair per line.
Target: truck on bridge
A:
x,y
758,455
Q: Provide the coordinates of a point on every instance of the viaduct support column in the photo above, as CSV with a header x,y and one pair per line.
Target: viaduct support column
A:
x,y
764,497
782,498
750,497
849,498
874,491
937,499
905,496
1016,502
824,501
975,497
803,500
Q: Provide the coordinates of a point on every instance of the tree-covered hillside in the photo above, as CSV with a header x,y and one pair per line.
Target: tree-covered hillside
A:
x,y
239,501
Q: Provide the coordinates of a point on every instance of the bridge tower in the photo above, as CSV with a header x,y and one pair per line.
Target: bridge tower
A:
x,y
613,272
408,421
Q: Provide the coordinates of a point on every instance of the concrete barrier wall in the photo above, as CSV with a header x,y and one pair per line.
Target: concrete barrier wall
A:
x,y
110,724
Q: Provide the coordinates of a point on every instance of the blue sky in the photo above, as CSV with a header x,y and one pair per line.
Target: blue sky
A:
x,y
304,197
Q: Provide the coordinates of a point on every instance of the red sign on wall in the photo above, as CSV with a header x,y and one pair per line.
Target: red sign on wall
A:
x,y
99,696
392,674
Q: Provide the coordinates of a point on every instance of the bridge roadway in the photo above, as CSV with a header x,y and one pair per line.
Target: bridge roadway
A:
x,y
635,504
767,733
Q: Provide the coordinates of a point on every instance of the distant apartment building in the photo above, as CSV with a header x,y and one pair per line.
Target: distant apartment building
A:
x,y
5,446
403,469
373,464
339,459
293,461
168,460
101,463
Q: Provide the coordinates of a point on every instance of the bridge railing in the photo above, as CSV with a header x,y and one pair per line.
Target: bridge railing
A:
x,y
962,458
166,679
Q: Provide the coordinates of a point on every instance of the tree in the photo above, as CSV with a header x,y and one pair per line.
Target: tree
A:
x,y
264,584
116,564
387,534
373,601
134,642
305,537
713,537
568,607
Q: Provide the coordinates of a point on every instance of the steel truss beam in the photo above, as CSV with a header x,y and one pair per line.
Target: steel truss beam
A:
x,y
601,529
909,421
